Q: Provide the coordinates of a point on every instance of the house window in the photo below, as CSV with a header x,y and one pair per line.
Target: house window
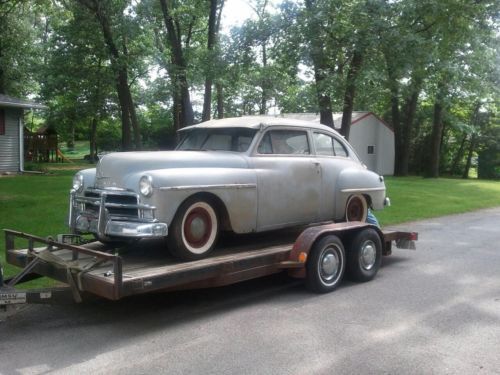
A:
x,y
371,150
2,122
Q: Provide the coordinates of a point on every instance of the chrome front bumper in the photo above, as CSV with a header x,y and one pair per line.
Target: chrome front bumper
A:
x,y
102,223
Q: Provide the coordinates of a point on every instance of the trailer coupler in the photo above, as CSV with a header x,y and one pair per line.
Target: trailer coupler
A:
x,y
12,297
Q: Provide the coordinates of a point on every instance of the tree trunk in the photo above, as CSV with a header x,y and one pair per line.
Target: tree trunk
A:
x,y
437,130
2,76
122,98
458,156
186,115
350,91
409,120
220,101
320,65
473,141
212,23
395,117
468,163
93,140
264,83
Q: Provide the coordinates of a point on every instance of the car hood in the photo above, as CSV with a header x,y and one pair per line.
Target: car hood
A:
x,y
116,166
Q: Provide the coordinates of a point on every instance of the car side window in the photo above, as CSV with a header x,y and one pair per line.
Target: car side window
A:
x,y
339,148
284,142
328,145
323,144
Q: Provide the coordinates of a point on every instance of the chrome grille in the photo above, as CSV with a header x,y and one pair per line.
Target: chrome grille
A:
x,y
121,204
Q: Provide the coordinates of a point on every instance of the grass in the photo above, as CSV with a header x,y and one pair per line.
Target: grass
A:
x,y
80,149
38,204
415,198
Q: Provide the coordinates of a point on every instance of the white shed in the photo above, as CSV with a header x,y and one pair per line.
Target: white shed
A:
x,y
371,137
11,132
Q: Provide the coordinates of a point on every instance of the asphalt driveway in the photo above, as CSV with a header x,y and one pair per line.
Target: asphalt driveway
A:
x,y
434,310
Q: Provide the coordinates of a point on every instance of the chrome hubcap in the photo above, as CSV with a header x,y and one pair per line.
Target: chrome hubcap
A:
x,y
329,266
368,255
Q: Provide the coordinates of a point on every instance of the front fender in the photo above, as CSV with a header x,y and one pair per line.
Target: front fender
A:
x,y
235,188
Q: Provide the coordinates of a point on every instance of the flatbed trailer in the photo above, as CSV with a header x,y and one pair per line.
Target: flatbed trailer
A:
x,y
319,254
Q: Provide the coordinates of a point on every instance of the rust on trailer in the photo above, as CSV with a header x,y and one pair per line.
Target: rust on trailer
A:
x,y
142,272
90,269
67,269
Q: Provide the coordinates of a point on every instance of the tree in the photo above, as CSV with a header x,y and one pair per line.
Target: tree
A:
x,y
214,20
109,15
183,109
320,60
19,49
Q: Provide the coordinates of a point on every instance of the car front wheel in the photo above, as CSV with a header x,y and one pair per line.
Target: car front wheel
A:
x,y
194,230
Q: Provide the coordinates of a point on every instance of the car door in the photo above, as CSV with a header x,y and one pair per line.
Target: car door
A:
x,y
288,178
333,157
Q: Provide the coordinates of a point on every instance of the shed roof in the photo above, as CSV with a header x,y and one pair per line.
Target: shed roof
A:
x,y
357,116
11,102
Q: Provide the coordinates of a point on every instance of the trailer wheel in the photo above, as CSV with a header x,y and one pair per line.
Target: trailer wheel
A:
x,y
194,230
325,265
356,208
364,255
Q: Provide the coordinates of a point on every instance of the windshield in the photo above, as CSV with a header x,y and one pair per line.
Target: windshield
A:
x,y
219,139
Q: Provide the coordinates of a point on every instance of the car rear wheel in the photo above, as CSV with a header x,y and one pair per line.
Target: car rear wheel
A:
x,y
194,230
356,208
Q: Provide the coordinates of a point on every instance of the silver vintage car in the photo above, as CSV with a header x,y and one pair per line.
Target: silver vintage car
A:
x,y
247,174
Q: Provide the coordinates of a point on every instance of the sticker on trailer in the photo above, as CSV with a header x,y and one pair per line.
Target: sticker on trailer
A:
x,y
12,298
45,295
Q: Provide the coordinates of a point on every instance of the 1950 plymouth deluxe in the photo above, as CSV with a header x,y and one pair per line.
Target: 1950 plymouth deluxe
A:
x,y
247,174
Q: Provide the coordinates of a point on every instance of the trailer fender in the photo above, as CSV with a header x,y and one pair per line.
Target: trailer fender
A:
x,y
309,236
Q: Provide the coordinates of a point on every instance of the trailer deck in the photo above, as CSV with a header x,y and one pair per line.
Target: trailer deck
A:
x,y
146,267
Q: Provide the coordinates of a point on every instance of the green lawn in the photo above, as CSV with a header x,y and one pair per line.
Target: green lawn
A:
x,y
80,149
414,198
38,204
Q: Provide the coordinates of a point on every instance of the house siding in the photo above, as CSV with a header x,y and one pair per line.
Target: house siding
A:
x,y
9,142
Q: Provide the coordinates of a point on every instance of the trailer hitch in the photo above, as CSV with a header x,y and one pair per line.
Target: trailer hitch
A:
x,y
11,296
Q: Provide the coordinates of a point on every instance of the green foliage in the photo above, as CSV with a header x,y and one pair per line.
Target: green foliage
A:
x,y
416,198
444,51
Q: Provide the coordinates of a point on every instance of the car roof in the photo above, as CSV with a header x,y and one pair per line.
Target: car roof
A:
x,y
255,122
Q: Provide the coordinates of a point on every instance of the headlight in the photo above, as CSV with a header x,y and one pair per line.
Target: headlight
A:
x,y
146,186
78,182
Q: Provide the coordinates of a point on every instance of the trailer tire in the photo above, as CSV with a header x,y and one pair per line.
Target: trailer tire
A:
x,y
364,255
194,230
325,265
